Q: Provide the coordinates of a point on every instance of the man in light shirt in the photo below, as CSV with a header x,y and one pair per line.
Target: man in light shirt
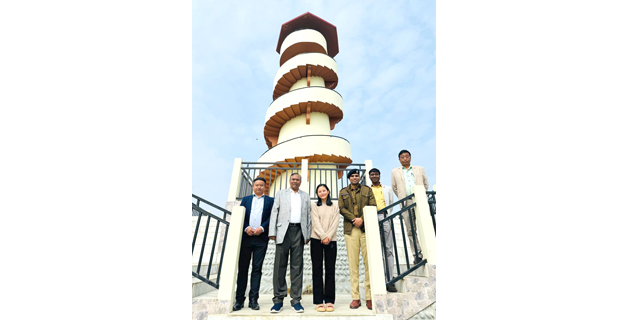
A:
x,y
402,180
384,198
255,241
290,227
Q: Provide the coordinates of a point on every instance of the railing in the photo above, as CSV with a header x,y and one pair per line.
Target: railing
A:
x,y
273,172
277,174
330,174
215,252
432,207
410,210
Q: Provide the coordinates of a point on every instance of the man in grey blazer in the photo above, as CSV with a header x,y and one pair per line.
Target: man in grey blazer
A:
x,y
290,227
402,180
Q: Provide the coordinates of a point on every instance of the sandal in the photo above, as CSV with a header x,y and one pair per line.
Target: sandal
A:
x,y
320,308
330,307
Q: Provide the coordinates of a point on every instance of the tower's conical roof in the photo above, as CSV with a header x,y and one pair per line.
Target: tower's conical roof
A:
x,y
310,21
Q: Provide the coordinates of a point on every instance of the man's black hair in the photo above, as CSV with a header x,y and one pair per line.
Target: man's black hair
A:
x,y
259,178
404,151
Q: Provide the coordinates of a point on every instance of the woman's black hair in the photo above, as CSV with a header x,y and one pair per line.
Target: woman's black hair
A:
x,y
320,201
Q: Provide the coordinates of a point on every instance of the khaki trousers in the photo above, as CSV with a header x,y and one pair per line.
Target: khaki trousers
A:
x,y
354,243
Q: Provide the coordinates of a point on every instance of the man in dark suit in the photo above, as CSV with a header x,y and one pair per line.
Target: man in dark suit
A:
x,y
255,241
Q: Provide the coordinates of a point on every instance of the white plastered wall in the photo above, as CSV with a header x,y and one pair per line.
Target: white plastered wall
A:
x,y
314,82
303,95
297,127
306,146
306,35
305,59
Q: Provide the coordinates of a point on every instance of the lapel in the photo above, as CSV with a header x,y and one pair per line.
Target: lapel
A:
x,y
248,208
287,201
266,203
303,205
401,177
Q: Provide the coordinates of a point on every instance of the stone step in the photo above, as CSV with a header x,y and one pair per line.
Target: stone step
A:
x,y
202,304
204,268
407,284
200,287
428,313
294,316
414,294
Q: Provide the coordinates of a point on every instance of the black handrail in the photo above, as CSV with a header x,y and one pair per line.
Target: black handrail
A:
x,y
220,220
211,204
389,218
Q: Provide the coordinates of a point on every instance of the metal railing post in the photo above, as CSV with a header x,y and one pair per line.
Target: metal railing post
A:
x,y
376,273
235,181
424,224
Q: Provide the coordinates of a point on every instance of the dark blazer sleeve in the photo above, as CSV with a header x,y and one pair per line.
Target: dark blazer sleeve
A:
x,y
266,214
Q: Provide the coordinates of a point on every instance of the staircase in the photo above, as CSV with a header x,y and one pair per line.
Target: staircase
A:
x,y
415,299
200,287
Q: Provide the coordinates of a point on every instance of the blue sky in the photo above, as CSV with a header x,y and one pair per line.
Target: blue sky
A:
x,y
386,71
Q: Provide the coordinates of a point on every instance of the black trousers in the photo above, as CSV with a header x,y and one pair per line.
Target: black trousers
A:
x,y
318,250
256,247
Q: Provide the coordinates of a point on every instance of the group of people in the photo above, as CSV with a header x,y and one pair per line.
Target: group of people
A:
x,y
292,221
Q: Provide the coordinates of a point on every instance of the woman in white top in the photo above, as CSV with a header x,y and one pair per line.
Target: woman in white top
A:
x,y
325,219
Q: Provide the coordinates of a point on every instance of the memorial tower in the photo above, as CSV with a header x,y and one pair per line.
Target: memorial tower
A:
x,y
305,107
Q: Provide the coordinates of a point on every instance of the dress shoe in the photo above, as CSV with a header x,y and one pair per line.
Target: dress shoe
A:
x,y
369,304
238,306
253,304
391,288
355,304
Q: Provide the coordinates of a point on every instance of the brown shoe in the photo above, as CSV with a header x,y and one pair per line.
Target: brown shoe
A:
x,y
369,304
355,304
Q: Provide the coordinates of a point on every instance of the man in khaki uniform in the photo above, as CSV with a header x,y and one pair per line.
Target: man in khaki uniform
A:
x,y
351,201
402,180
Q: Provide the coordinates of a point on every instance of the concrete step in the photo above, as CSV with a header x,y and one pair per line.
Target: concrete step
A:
x,y
200,287
204,268
427,313
341,309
